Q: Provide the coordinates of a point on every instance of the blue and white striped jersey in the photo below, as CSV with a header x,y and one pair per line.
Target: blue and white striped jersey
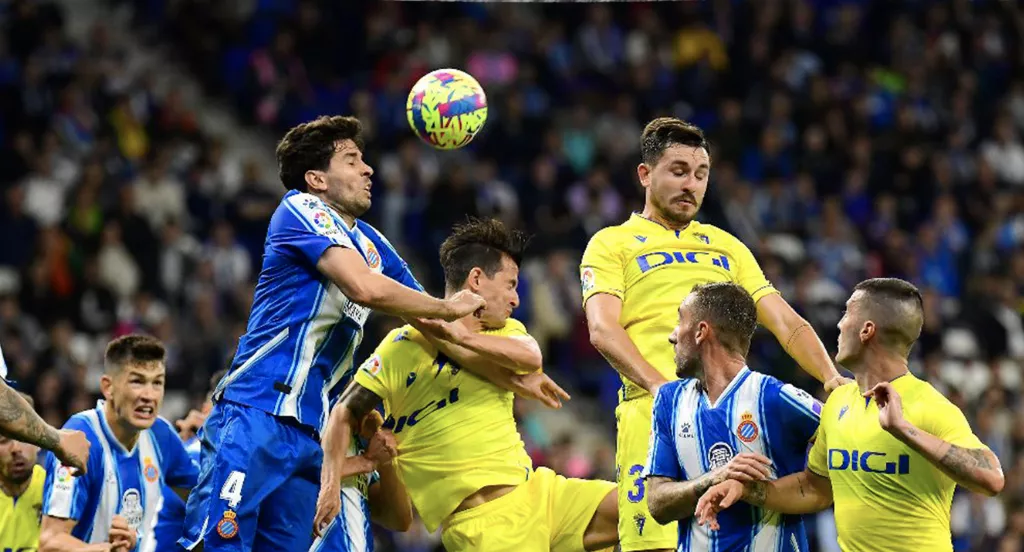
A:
x,y
756,413
118,481
303,331
171,520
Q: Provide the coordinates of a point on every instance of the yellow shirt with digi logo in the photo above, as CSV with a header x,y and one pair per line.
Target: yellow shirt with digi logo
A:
x,y
888,496
456,433
20,517
652,269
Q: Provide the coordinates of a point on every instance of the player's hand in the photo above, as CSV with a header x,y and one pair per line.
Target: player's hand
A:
x,y
382,447
463,304
746,466
328,506
121,536
890,406
716,499
371,423
189,425
540,387
835,382
73,450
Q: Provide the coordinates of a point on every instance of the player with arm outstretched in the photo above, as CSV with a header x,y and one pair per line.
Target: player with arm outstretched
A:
x,y
323,271
460,456
636,274
890,450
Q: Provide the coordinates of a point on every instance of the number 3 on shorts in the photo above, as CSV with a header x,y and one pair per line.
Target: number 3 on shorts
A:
x,y
637,493
232,489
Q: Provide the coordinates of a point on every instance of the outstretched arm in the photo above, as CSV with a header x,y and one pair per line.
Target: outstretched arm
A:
x,y
20,422
798,339
55,536
610,339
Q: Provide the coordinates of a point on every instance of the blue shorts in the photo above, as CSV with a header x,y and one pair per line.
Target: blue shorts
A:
x,y
258,483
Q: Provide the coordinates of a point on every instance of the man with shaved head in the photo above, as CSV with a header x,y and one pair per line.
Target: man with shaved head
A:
x,y
890,448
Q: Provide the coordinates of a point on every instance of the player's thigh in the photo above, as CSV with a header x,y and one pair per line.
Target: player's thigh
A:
x,y
584,513
247,455
286,518
351,530
637,529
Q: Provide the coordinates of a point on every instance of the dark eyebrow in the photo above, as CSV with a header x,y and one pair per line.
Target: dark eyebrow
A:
x,y
687,165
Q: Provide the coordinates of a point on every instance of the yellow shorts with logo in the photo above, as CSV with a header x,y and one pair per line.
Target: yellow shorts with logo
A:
x,y
637,529
548,512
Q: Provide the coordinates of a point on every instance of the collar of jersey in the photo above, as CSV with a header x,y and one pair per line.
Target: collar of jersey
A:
x,y
109,434
729,389
638,216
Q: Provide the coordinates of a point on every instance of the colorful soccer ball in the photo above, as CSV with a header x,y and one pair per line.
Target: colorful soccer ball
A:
x,y
447,108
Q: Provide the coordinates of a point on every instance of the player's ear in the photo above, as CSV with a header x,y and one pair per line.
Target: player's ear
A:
x,y
316,180
703,332
474,278
867,331
643,172
107,386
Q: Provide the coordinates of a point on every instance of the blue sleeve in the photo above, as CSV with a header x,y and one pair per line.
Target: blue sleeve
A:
x,y
303,229
64,495
395,266
798,413
662,459
179,470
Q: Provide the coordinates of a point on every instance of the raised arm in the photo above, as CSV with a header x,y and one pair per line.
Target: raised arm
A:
x,y
975,468
346,269
798,339
355,403
20,422
610,339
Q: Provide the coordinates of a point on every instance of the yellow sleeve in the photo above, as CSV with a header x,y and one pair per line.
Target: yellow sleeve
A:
x,y
602,269
748,273
944,420
376,373
817,457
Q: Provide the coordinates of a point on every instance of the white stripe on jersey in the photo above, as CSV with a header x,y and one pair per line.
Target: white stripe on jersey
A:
x,y
327,313
260,353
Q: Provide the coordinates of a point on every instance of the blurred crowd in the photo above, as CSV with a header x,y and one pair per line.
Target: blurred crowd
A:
x,y
851,139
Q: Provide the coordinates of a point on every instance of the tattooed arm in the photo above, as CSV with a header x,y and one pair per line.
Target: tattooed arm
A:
x,y
671,500
20,422
976,469
799,493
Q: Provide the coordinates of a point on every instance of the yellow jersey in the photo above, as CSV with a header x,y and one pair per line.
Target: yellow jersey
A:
x,y
456,433
652,269
887,496
20,517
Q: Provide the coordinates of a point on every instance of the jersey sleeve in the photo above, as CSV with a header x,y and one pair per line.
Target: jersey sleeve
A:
x,y
179,470
945,421
64,495
748,272
602,269
817,458
377,373
303,229
662,460
798,414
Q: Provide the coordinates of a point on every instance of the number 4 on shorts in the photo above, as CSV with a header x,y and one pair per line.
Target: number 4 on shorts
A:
x,y
232,489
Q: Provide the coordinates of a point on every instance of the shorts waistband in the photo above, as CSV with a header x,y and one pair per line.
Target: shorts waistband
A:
x,y
486,508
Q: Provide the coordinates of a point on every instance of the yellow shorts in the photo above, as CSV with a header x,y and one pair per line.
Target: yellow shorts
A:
x,y
548,512
637,529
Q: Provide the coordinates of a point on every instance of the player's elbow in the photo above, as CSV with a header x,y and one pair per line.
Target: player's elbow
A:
x,y
49,540
993,484
598,335
655,503
363,291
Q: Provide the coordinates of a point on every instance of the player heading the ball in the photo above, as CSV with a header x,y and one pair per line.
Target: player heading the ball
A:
x,y
323,271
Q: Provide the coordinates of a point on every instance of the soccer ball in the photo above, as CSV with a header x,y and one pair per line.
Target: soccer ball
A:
x,y
446,108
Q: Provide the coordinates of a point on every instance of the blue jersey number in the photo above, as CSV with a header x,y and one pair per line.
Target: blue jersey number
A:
x,y
636,494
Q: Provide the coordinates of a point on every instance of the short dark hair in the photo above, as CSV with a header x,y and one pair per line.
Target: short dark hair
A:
x,y
897,309
310,146
479,243
664,132
133,348
729,309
